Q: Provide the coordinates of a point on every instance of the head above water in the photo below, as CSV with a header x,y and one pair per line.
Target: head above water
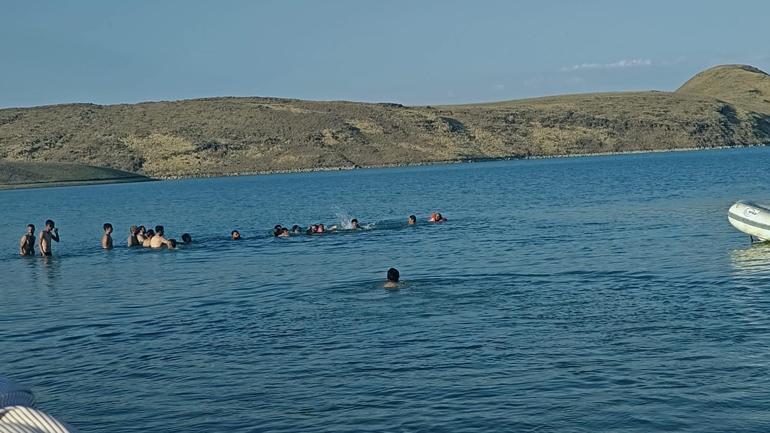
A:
x,y
235,235
411,220
49,224
107,227
296,229
159,230
393,275
133,230
150,233
186,238
354,224
171,244
31,228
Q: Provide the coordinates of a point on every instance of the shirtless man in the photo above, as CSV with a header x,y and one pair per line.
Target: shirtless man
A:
x,y
49,233
107,238
132,240
148,235
158,241
27,242
412,220
141,235
393,277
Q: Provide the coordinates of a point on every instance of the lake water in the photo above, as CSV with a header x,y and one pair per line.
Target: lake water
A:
x,y
587,294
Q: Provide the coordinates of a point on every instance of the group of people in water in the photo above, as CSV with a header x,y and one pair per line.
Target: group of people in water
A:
x,y
149,238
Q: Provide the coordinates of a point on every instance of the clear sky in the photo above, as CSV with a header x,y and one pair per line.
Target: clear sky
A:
x,y
412,52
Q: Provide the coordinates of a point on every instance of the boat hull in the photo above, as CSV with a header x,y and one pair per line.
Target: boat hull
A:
x,y
750,218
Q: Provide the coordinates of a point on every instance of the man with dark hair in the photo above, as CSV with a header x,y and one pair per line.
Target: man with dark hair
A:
x,y
186,238
412,220
171,244
48,234
158,240
27,242
132,239
107,238
354,224
393,277
235,235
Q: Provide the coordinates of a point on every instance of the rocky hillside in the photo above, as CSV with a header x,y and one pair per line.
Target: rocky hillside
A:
x,y
722,106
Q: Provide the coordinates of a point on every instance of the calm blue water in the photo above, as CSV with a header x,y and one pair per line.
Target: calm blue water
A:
x,y
590,294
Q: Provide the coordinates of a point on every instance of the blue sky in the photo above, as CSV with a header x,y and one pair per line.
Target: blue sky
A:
x,y
412,52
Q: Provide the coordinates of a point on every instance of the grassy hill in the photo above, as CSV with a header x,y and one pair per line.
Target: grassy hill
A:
x,y
722,106
16,174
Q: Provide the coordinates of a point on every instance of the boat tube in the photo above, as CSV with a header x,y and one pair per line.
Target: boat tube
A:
x,y
751,218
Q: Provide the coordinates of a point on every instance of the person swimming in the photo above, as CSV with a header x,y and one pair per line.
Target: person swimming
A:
x,y
393,277
235,235
277,229
27,242
354,224
284,233
171,244
296,229
437,218
412,220
186,238
107,238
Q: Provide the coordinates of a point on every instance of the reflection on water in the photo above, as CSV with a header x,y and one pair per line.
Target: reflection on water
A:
x,y
753,259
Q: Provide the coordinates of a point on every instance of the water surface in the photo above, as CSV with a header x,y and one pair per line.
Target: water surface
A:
x,y
587,294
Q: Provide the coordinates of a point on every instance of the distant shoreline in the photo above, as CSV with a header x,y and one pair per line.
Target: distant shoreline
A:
x,y
456,161
140,178
62,183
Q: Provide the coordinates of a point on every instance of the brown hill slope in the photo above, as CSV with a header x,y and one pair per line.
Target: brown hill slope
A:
x,y
743,85
220,136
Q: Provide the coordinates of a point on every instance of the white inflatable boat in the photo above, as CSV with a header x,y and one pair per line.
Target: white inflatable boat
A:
x,y
751,218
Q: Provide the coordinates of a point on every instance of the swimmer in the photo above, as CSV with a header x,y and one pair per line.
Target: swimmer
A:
x,y
295,229
107,238
148,238
186,238
27,242
132,240
436,218
412,220
158,240
48,234
171,244
284,233
393,277
354,224
277,230
319,228
235,235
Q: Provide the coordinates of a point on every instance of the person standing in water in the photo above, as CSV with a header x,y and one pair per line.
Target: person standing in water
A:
x,y
107,238
132,241
393,277
158,241
27,242
48,234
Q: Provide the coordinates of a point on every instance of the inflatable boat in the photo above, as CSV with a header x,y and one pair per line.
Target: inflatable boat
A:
x,y
751,218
